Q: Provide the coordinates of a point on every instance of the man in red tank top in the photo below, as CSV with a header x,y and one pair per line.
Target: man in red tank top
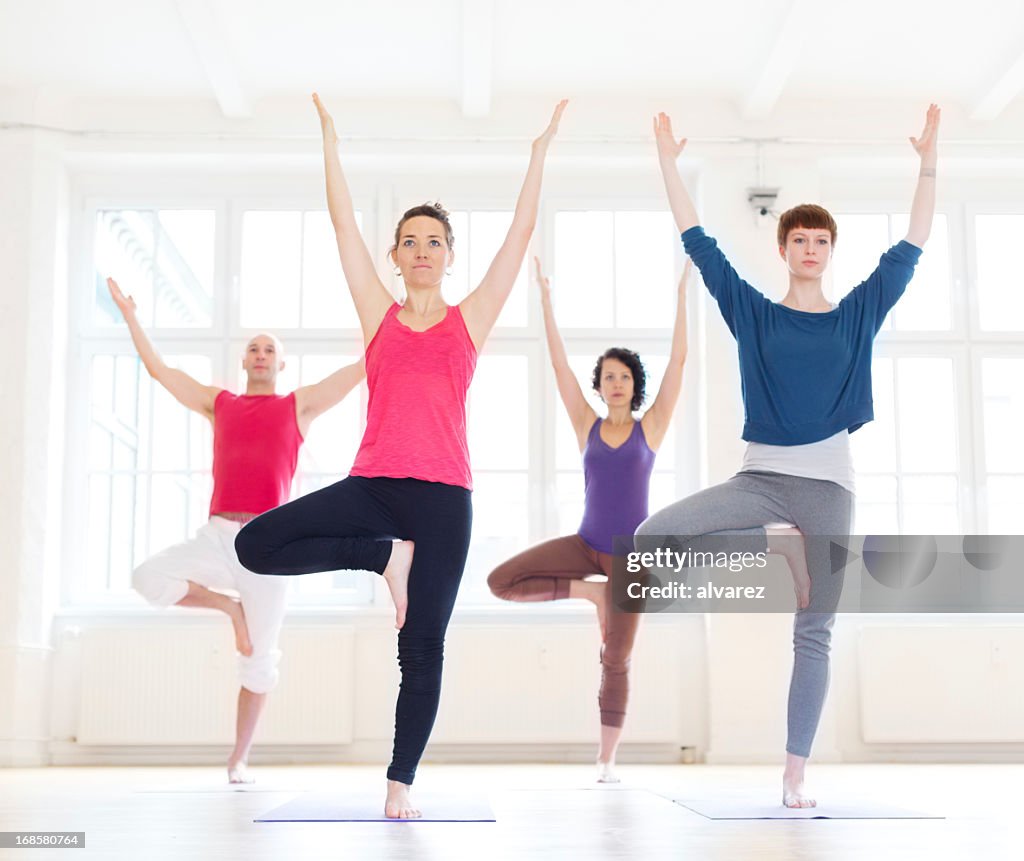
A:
x,y
256,439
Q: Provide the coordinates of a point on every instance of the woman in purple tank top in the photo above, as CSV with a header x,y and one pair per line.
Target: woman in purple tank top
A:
x,y
618,456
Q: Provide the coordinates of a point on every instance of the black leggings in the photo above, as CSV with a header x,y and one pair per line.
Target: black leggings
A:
x,y
350,525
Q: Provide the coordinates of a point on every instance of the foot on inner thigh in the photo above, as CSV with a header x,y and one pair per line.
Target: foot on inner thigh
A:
x,y
593,591
793,783
398,805
238,773
237,614
397,576
789,542
606,773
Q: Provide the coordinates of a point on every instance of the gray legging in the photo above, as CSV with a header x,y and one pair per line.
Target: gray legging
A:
x,y
744,504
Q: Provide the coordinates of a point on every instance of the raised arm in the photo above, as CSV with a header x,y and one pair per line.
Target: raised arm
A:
x,y
922,210
311,401
186,390
371,297
669,150
657,419
581,414
480,309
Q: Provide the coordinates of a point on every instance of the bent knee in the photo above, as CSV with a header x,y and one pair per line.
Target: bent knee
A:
x,y
500,580
157,587
259,673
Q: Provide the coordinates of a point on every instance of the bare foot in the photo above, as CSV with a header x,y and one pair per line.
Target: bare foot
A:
x,y
242,641
397,576
793,782
606,773
793,795
594,592
398,805
238,773
789,543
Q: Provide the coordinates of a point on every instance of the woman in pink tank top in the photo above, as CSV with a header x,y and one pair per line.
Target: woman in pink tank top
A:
x,y
411,478
618,456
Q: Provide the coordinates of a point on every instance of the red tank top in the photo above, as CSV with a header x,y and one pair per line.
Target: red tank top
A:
x,y
416,415
256,443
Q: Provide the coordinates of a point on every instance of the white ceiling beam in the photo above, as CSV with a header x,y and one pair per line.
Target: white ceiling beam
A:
x,y
477,56
782,58
208,40
1006,88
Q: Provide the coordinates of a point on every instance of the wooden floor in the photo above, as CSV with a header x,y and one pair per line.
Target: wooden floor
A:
x,y
542,812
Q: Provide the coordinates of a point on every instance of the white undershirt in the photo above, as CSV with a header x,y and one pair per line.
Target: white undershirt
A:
x,y
826,460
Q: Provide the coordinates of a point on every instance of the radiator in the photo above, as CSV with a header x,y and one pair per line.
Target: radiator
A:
x,y
508,684
941,684
177,684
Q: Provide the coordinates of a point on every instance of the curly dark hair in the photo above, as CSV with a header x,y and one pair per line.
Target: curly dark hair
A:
x,y
632,361
430,210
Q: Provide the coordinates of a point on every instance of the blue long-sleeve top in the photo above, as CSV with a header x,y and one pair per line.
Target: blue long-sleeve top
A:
x,y
805,376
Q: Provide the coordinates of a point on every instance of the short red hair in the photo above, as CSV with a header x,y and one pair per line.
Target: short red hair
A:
x,y
809,216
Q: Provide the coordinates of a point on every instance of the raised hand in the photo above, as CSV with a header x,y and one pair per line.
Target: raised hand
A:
x,y
666,141
326,121
125,304
925,145
549,133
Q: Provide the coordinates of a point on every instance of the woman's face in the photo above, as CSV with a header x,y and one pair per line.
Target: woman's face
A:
x,y
616,383
807,252
422,253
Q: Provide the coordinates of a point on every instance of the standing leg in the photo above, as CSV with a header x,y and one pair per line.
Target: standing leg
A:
x,y
822,511
616,654
438,518
264,600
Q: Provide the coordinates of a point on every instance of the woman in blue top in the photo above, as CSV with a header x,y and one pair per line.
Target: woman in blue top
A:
x,y
806,372
618,456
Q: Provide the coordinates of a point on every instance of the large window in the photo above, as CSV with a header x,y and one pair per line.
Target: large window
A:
x,y
208,275
938,458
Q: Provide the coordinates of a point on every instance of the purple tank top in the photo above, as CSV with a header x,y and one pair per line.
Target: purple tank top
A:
x,y
617,484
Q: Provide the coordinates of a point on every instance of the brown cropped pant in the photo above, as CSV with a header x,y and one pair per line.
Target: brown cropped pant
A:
x,y
542,573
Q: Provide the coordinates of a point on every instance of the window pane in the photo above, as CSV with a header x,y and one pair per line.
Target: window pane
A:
x,y
487,231
164,260
1003,413
567,452
930,505
330,447
271,269
478,236
498,415
583,282
876,507
861,240
326,301
927,415
1005,504
874,445
569,494
500,529
925,306
645,269
1000,286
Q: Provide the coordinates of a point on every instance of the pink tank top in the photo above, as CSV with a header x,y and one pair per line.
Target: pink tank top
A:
x,y
256,443
416,415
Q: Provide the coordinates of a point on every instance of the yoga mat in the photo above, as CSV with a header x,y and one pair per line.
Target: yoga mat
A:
x,y
369,807
755,808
